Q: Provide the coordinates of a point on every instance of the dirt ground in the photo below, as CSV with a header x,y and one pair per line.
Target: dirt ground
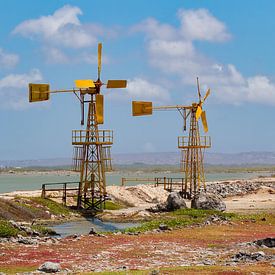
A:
x,y
261,201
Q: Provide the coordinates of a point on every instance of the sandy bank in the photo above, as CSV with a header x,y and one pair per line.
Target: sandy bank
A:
x,y
254,195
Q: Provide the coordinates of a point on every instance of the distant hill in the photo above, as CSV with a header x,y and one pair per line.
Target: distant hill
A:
x,y
169,158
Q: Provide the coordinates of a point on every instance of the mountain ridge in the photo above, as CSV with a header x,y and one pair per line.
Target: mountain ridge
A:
x,y
162,158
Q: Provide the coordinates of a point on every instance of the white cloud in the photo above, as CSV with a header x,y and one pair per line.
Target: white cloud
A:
x,y
141,89
201,25
8,60
62,28
55,55
63,37
154,29
177,55
14,89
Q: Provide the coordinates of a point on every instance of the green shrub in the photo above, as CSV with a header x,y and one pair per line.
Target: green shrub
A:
x,y
109,205
7,230
43,230
54,207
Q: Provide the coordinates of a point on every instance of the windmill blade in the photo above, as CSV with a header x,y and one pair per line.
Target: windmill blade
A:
x,y
99,108
204,122
117,84
39,92
142,108
84,83
99,51
198,112
207,94
199,92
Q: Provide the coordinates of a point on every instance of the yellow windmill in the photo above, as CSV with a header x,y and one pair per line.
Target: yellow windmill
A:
x,y
92,146
192,146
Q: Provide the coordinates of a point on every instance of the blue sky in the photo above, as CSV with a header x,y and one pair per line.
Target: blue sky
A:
x,y
160,47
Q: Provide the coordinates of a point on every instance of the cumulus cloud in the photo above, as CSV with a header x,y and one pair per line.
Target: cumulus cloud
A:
x,y
63,36
155,29
55,55
173,51
14,89
142,89
8,60
61,28
202,25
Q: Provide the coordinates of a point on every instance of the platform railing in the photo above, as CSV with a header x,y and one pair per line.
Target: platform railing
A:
x,y
203,142
65,190
80,137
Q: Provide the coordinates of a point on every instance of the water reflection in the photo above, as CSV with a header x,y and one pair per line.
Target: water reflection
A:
x,y
84,226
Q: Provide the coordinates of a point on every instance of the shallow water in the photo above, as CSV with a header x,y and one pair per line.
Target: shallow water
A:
x,y
84,227
16,182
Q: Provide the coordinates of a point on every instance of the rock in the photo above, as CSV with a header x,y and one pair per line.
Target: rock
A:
x,y
208,201
50,267
269,242
175,201
26,240
244,256
163,227
92,231
154,272
209,262
160,207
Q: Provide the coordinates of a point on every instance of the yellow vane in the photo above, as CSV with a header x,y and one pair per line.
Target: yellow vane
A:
x,y
84,83
117,84
204,121
99,50
198,112
206,95
39,92
141,108
99,108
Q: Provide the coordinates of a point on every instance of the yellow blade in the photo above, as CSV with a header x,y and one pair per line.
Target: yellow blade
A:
x,y
204,122
198,112
84,83
117,84
39,92
206,95
141,108
99,108
99,50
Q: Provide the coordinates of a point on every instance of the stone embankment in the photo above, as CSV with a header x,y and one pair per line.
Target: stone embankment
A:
x,y
238,187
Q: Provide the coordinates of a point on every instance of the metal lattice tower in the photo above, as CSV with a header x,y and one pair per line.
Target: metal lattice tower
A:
x,y
192,149
192,146
92,192
92,157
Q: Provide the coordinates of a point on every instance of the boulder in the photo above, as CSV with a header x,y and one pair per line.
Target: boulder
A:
x,y
247,257
175,201
50,267
163,227
160,207
208,201
268,242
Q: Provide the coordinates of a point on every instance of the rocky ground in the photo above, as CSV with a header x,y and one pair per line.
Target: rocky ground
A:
x,y
209,247
227,247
